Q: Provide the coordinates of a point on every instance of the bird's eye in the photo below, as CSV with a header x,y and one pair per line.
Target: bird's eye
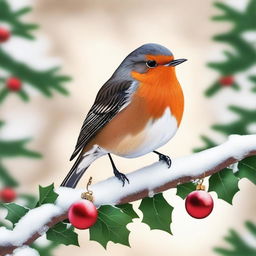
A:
x,y
151,63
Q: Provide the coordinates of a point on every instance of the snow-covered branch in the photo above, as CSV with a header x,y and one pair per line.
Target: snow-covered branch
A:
x,y
144,182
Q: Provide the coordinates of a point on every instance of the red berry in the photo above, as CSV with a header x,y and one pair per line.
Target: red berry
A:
x,y
226,80
4,35
199,204
8,195
13,84
82,214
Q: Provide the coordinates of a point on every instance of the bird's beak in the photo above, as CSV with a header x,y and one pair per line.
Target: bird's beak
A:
x,y
174,63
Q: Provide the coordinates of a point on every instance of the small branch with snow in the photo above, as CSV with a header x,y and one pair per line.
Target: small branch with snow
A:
x,y
149,180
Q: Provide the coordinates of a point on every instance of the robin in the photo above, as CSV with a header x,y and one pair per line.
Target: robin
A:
x,y
138,110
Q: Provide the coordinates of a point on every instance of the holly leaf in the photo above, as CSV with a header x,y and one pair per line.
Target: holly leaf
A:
x,y
157,212
247,169
225,184
128,209
47,195
184,189
62,234
31,200
111,226
15,212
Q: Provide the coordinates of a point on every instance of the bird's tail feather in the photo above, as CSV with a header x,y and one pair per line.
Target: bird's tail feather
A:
x,y
78,169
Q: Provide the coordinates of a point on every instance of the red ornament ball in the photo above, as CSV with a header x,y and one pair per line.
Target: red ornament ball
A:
x,y
199,204
82,214
8,195
226,80
13,84
4,35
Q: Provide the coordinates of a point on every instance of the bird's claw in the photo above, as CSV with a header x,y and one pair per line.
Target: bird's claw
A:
x,y
121,177
166,159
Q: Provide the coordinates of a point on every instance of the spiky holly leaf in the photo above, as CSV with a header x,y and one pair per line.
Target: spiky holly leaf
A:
x,y
111,226
15,212
247,169
128,209
225,184
157,212
184,189
62,233
47,195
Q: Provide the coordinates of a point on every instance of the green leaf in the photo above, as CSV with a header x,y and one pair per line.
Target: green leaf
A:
x,y
214,88
209,143
62,234
128,209
237,244
184,189
3,94
245,117
6,179
30,200
225,184
251,227
47,195
15,212
157,212
16,148
19,28
24,96
45,81
45,250
111,226
247,169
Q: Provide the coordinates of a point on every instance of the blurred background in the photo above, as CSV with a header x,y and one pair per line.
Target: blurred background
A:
x,y
89,39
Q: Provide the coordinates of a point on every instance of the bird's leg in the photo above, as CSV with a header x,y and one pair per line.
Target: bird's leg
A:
x,y
118,174
165,158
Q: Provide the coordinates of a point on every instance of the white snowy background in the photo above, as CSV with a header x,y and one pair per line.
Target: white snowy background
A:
x,y
89,39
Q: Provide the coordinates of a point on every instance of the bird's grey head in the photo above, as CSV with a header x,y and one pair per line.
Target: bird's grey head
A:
x,y
138,60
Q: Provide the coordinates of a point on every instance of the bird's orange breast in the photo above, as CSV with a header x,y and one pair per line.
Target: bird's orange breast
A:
x,y
160,89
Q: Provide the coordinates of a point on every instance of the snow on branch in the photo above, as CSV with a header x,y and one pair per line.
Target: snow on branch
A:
x,y
146,181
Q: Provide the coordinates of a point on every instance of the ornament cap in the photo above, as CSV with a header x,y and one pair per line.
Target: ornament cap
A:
x,y
89,194
200,187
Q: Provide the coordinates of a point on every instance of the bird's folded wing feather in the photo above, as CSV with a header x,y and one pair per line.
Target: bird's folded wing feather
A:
x,y
110,100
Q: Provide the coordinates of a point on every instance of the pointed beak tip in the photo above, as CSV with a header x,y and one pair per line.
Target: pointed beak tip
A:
x,y
176,62
182,60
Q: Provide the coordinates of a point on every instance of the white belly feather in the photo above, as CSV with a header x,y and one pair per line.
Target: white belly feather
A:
x,y
156,134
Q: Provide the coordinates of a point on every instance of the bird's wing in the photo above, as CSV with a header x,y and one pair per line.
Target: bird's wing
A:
x,y
110,100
